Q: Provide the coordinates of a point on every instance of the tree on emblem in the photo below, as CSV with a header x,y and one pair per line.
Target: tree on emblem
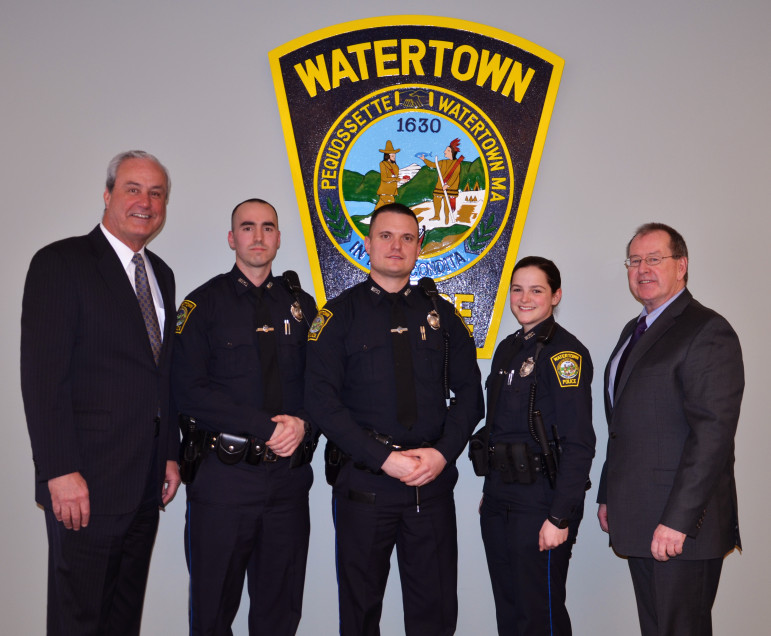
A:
x,y
336,222
482,234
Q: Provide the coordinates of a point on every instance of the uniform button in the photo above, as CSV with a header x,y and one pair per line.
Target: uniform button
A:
x,y
612,435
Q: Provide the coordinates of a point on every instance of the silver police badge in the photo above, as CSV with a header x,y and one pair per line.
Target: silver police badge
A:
x,y
527,367
297,311
433,319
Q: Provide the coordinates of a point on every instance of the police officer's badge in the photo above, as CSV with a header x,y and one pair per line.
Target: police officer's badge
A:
x,y
297,311
183,314
527,367
445,116
318,324
567,366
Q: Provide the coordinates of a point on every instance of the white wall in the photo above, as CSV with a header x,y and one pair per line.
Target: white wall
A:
x,y
662,115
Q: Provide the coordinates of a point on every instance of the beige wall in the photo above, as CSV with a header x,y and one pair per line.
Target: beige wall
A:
x,y
662,115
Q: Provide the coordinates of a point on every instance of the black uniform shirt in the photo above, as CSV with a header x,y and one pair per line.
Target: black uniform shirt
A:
x,y
216,371
351,386
563,395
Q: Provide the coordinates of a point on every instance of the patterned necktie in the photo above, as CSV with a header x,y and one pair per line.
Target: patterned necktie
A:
x,y
146,305
638,331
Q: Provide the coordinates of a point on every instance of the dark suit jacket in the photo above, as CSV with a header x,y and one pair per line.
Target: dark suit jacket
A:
x,y
670,457
92,392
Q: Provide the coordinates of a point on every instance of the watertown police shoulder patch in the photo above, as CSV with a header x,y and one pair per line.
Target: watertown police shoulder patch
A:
x,y
445,116
185,309
318,324
567,366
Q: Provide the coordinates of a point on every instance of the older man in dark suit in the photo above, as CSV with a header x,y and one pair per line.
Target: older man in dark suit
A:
x,y
97,324
667,494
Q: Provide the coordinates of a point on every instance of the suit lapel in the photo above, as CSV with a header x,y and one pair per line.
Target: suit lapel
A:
x,y
661,325
111,270
626,332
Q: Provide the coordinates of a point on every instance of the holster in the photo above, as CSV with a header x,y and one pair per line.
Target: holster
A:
x,y
303,454
190,452
478,453
333,462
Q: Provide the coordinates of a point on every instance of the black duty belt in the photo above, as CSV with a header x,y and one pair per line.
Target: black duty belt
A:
x,y
516,462
231,449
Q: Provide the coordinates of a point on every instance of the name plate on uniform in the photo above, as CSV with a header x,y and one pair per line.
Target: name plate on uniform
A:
x,y
445,116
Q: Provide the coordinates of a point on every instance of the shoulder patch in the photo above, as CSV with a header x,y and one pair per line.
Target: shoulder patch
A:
x,y
185,309
567,366
318,324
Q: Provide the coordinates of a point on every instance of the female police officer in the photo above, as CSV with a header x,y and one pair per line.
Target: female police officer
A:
x,y
536,450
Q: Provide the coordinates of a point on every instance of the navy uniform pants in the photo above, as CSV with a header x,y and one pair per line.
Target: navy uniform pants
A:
x,y
374,513
528,585
247,522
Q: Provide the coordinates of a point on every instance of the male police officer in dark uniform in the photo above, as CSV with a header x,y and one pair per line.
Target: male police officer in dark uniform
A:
x,y
375,384
239,362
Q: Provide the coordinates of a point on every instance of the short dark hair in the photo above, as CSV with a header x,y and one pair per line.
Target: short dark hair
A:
x,y
253,200
676,240
397,208
546,266
386,156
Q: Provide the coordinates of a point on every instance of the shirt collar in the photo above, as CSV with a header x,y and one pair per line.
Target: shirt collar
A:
x,y
651,317
242,284
378,294
124,252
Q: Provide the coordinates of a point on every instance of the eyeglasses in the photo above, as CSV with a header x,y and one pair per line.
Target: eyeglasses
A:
x,y
635,261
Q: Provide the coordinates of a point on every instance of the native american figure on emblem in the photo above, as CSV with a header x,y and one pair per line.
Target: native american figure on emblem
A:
x,y
448,180
389,175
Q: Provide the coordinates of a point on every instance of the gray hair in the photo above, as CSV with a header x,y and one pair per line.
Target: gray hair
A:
x,y
117,160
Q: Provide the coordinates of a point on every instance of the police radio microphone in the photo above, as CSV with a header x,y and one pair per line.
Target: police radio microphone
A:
x,y
546,336
293,280
428,285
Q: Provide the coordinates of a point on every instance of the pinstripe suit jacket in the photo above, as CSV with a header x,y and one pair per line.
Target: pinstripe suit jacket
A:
x,y
94,399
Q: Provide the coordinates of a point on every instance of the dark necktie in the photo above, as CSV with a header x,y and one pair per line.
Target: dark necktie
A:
x,y
147,306
638,331
265,336
406,401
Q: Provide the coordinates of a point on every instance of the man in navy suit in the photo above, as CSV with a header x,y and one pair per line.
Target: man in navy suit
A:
x,y
95,381
673,390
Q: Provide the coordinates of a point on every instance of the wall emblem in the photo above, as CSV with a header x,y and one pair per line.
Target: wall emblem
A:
x,y
445,116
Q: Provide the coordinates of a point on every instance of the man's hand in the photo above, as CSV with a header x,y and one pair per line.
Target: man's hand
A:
x,y
432,462
602,515
399,466
287,435
70,500
551,536
171,482
666,543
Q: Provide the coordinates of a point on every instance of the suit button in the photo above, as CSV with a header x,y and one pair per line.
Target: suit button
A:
x,y
612,435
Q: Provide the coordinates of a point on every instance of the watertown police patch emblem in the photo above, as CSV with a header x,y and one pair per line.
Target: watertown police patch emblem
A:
x,y
567,366
445,116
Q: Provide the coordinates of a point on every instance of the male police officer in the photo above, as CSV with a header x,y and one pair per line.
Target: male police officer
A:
x,y
238,369
376,386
